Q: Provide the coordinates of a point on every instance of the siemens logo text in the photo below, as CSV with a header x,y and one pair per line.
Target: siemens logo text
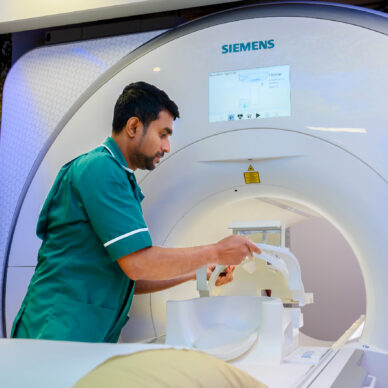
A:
x,y
248,46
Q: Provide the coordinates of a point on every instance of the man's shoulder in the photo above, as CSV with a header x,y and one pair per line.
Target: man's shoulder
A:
x,y
96,162
96,158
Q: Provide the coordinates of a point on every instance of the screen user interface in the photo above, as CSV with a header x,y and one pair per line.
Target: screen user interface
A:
x,y
249,94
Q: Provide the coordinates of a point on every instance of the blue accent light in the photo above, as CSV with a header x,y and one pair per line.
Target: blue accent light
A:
x,y
80,51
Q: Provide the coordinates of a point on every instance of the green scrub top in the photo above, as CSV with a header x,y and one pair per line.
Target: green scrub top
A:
x,y
91,217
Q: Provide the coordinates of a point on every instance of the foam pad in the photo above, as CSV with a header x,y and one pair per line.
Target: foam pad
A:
x,y
167,368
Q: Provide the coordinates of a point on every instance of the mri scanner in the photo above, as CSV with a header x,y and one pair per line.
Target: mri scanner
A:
x,y
279,102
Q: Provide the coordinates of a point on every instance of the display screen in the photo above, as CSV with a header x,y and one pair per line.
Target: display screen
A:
x,y
249,94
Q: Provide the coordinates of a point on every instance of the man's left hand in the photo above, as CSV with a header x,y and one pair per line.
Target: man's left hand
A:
x,y
224,277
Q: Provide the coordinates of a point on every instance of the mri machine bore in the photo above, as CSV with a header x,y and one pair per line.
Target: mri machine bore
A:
x,y
292,96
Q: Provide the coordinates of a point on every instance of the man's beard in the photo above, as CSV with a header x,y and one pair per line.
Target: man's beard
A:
x,y
146,162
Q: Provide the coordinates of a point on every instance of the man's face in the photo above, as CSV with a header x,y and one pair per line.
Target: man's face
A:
x,y
153,142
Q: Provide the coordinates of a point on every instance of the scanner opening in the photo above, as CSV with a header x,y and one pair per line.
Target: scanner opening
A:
x,y
329,266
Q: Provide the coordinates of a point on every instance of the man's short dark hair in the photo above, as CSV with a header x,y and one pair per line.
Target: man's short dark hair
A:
x,y
144,101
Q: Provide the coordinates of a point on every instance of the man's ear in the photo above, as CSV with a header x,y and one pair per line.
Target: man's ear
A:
x,y
132,127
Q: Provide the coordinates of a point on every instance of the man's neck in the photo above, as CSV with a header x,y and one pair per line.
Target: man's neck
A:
x,y
125,147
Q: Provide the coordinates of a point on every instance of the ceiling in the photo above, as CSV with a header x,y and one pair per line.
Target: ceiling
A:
x,y
19,15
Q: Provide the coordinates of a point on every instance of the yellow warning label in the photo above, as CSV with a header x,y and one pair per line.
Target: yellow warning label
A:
x,y
251,177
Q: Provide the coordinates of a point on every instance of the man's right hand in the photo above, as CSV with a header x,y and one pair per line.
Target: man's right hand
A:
x,y
232,250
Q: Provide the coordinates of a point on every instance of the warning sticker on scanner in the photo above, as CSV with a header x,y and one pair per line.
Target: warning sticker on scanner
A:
x,y
251,176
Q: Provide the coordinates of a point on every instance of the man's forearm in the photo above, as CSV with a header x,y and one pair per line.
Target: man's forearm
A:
x,y
147,286
156,263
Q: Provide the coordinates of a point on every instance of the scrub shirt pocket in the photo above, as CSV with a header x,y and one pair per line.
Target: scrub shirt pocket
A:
x,y
78,321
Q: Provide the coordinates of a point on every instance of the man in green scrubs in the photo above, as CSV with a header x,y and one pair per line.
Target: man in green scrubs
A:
x,y
95,243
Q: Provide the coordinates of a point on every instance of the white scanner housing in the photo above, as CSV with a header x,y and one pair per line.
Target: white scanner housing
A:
x,y
326,150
